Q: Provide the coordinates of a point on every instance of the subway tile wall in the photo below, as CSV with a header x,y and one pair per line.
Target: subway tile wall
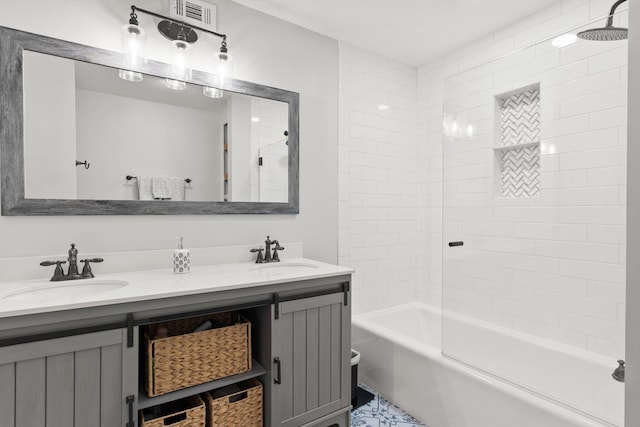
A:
x,y
378,185
552,266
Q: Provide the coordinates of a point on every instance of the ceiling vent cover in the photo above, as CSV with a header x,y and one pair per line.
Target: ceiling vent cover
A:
x,y
195,12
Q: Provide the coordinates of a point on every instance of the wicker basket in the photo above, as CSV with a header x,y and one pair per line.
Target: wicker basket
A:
x,y
189,412
187,358
238,408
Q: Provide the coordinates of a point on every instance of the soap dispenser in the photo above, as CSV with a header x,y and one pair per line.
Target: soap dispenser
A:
x,y
181,259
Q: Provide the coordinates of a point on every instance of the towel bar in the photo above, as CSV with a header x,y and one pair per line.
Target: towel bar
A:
x,y
129,178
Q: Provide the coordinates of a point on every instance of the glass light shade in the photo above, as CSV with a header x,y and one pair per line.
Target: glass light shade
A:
x,y
223,67
175,84
181,60
130,76
212,92
134,41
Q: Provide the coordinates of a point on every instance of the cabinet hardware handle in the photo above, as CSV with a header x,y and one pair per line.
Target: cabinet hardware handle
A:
x,y
278,378
452,244
130,400
129,330
276,304
345,290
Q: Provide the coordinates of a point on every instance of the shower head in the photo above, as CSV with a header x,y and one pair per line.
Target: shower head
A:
x,y
609,32
605,34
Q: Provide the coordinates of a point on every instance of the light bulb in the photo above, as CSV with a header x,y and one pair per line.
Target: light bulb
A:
x,y
223,67
134,40
181,60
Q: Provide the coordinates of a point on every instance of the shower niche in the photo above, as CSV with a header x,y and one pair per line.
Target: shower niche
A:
x,y
517,150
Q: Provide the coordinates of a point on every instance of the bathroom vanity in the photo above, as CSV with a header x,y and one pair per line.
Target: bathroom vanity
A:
x,y
77,360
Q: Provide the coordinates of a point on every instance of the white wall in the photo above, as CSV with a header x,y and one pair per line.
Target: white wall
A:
x,y
304,62
553,266
122,136
49,116
377,178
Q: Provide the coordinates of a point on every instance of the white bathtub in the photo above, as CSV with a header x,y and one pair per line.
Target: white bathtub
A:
x,y
401,358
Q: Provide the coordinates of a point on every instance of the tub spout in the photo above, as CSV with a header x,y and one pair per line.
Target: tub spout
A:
x,y
618,374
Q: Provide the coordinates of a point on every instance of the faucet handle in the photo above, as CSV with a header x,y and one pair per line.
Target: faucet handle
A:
x,y
48,263
277,248
86,270
260,258
58,274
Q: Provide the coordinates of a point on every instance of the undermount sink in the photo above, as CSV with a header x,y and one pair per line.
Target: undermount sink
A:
x,y
71,289
286,267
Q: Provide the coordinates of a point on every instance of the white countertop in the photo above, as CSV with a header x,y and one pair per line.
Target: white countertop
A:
x,y
156,284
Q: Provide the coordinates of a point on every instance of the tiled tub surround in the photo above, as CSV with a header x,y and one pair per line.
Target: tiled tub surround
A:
x,y
402,360
377,205
551,266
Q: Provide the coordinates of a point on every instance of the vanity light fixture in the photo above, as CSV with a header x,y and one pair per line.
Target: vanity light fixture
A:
x,y
134,40
182,36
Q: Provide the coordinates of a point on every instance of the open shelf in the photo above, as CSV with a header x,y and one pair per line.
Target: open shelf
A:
x,y
516,146
146,402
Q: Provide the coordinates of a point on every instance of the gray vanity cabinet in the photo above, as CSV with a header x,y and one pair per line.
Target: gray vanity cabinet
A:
x,y
311,359
79,381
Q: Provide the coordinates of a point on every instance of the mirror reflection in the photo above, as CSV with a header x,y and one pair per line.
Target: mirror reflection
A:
x,y
89,134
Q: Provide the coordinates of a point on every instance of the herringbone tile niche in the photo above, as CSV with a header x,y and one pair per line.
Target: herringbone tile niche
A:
x,y
519,151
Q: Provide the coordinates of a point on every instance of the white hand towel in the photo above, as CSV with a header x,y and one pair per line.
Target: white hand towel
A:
x,y
168,187
161,187
177,186
144,188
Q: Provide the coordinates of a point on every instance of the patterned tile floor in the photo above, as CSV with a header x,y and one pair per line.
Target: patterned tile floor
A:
x,y
382,413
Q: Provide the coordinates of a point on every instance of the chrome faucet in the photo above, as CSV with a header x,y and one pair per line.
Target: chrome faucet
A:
x,y
268,255
72,272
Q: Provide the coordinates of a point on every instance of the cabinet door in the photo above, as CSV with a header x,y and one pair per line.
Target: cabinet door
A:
x,y
72,381
311,345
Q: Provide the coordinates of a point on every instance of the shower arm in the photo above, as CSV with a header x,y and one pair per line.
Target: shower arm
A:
x,y
613,11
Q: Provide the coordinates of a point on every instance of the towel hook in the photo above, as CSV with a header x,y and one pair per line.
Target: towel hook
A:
x,y
85,163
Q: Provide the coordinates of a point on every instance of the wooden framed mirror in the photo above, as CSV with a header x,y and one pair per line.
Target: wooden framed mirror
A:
x,y
77,139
